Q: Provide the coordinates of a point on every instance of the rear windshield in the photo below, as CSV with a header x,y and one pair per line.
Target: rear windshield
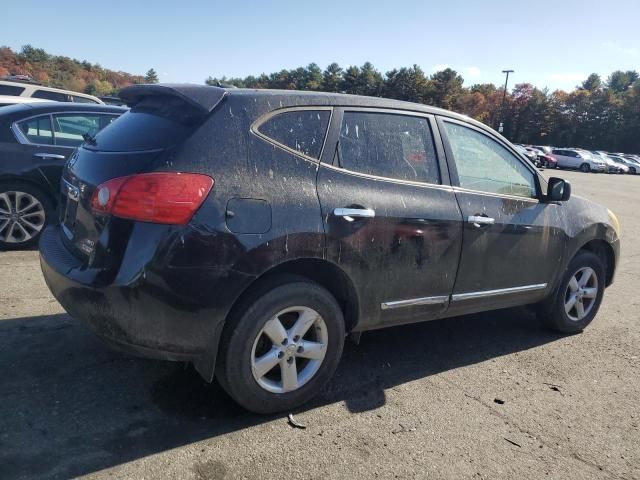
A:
x,y
154,123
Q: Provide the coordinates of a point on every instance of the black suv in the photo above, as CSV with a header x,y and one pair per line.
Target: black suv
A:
x,y
249,231
35,141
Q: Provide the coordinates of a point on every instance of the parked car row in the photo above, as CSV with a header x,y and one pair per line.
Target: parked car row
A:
x,y
251,243
581,159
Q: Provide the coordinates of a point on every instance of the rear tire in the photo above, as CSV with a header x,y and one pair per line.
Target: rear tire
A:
x,y
25,211
576,301
267,374
585,168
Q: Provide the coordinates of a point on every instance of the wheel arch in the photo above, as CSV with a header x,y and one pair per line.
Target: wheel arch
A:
x,y
605,252
11,179
324,273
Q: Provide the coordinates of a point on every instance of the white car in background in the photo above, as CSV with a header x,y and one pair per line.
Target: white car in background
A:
x,y
612,165
6,100
578,159
29,89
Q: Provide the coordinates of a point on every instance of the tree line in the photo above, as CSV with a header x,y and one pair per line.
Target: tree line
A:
x,y
68,73
601,114
597,114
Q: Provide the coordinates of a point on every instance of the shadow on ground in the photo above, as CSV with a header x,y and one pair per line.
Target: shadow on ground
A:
x,y
70,406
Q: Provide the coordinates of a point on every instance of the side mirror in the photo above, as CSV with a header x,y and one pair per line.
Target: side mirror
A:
x,y
559,190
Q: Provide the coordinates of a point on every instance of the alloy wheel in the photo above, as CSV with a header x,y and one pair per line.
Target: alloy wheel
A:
x,y
289,349
22,216
581,294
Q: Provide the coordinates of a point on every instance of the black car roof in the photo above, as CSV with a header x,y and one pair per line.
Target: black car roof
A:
x,y
207,97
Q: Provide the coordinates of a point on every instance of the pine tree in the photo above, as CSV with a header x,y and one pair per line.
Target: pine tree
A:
x,y
151,76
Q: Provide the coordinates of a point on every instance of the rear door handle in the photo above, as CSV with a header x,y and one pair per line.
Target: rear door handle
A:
x,y
479,220
55,156
354,213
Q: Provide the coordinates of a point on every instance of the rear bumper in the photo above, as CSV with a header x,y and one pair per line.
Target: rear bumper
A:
x,y
146,308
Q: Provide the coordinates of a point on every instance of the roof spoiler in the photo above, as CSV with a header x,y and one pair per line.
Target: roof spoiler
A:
x,y
202,97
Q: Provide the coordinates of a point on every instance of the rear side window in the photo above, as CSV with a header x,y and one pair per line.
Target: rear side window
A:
x,y
300,130
69,129
47,95
38,130
388,145
10,90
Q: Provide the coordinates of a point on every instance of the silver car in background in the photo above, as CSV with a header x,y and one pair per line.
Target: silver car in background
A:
x,y
578,160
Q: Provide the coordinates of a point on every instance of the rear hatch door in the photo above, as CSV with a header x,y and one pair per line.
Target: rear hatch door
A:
x,y
140,141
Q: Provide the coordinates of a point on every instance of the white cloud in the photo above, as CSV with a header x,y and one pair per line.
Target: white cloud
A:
x,y
616,47
472,72
441,66
565,77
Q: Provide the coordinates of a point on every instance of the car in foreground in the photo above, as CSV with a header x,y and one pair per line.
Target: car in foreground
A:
x,y
28,89
248,231
578,160
35,141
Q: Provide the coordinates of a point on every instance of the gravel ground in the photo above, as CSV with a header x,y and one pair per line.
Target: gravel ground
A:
x,y
482,396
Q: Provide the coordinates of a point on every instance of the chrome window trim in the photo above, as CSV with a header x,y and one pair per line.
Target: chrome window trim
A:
x,y
438,300
269,115
439,186
23,140
493,293
500,195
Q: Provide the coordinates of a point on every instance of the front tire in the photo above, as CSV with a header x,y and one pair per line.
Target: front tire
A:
x,y
24,212
576,302
282,349
585,168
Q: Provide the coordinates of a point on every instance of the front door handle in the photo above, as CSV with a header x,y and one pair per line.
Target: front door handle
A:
x,y
55,156
479,220
351,213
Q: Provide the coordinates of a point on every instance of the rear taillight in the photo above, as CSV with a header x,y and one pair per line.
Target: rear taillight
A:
x,y
162,197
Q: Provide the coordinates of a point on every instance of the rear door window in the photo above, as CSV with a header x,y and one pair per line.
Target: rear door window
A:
x,y
299,130
38,130
54,96
69,128
388,145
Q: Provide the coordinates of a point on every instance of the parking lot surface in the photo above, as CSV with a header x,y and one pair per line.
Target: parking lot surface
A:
x,y
483,396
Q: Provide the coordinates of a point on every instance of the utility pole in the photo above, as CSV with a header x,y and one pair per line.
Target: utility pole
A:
x,y
504,97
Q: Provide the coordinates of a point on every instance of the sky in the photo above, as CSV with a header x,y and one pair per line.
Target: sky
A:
x,y
554,44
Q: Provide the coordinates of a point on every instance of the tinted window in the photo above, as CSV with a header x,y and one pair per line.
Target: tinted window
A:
x,y
484,164
10,90
37,130
388,145
302,130
47,95
68,129
152,124
78,99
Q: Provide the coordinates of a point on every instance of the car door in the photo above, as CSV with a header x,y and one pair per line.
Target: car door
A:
x,y
391,220
37,151
512,242
48,140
